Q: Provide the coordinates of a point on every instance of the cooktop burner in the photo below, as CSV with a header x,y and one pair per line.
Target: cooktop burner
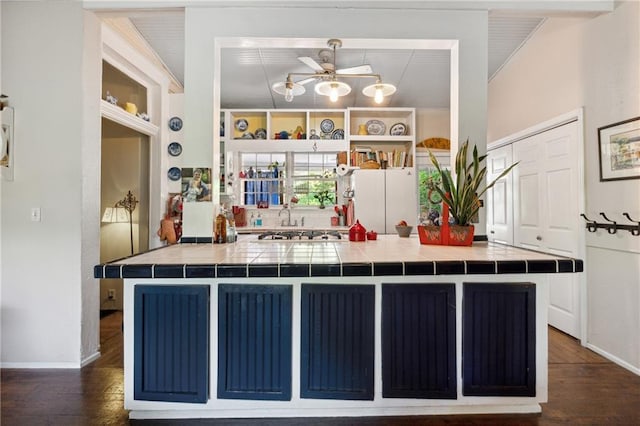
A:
x,y
301,235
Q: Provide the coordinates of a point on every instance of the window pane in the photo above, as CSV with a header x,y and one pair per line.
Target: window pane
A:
x,y
314,178
261,178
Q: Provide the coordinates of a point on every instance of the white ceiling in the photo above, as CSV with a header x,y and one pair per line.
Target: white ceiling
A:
x,y
421,76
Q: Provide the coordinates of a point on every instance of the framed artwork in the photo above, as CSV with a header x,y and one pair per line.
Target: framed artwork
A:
x,y
7,146
196,184
619,149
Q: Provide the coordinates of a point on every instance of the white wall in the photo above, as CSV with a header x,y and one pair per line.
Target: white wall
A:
x,y
593,63
202,25
42,263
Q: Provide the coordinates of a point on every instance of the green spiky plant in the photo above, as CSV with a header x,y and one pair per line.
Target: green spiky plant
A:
x,y
465,191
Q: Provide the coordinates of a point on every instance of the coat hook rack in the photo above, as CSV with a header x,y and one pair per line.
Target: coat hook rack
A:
x,y
634,231
612,227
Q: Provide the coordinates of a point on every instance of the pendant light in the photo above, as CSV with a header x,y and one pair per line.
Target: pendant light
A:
x,y
379,91
289,89
333,89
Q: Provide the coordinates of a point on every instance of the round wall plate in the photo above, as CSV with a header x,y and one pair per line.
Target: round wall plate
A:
x,y
174,173
175,123
174,149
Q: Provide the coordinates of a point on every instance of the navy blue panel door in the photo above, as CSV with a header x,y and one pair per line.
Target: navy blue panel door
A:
x,y
171,343
419,341
337,341
498,339
254,341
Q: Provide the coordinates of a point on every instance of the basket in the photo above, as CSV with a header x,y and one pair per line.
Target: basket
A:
x,y
448,235
370,164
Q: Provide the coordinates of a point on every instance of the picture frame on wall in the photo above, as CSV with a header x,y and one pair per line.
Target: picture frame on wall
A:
x,y
619,150
7,147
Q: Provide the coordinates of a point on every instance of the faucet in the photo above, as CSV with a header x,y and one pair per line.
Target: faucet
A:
x,y
284,208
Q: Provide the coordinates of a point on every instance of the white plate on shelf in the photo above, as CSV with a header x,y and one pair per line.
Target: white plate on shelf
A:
x,y
326,125
376,127
260,133
337,134
241,124
398,129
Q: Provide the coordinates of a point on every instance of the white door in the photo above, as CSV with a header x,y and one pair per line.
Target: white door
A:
x,y
499,198
401,198
546,212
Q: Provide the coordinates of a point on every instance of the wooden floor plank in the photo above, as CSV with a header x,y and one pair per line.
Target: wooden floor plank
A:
x,y
584,389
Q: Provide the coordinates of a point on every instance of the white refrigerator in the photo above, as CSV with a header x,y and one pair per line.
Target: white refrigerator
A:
x,y
382,198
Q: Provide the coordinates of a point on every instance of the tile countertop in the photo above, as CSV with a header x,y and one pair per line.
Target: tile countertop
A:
x,y
388,255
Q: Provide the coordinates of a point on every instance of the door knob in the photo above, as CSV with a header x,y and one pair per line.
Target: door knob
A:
x,y
539,238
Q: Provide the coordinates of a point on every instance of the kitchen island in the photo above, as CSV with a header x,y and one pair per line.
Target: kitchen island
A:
x,y
297,328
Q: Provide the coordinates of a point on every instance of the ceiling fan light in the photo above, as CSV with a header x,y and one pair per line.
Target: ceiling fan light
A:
x,y
288,89
334,89
379,91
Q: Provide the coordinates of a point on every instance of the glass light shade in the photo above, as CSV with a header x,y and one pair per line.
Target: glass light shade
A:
x,y
289,89
378,91
334,89
115,215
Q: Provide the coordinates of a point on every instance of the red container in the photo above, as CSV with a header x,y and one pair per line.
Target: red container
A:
x,y
357,232
460,235
430,234
448,235
372,235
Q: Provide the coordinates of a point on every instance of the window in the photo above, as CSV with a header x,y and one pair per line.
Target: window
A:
x,y
275,178
314,178
429,200
261,178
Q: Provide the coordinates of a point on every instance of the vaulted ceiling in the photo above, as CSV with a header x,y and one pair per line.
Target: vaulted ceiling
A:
x,y
247,74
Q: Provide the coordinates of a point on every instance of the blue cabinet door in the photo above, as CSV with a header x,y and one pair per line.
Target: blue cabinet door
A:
x,y
254,341
337,341
419,341
499,339
171,343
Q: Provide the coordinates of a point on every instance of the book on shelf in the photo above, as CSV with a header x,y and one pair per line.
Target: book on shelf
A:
x,y
395,158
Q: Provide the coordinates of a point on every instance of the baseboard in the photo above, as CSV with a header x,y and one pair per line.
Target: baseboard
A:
x,y
40,365
622,363
90,359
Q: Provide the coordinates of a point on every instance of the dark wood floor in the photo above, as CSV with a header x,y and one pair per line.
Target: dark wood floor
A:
x,y
584,389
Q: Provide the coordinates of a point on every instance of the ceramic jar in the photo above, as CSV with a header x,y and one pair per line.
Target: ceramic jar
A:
x,y
357,232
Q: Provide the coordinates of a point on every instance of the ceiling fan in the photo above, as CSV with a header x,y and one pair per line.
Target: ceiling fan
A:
x,y
327,64
327,74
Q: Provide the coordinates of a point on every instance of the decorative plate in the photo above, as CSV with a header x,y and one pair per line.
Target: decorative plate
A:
x,y
261,133
247,135
174,149
175,123
337,134
326,125
174,173
398,129
241,124
313,134
375,127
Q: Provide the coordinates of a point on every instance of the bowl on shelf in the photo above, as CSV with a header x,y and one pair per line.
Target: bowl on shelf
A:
x,y
404,231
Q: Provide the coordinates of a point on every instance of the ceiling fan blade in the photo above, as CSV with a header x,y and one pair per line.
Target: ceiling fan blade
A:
x,y
306,80
361,69
311,63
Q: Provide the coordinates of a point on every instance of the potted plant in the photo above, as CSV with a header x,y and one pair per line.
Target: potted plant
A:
x,y
461,195
323,196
